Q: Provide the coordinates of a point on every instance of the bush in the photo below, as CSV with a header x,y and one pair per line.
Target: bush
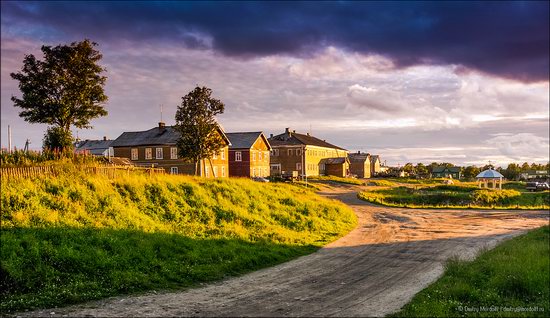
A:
x,y
493,196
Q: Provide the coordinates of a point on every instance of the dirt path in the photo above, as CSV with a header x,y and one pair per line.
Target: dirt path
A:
x,y
372,271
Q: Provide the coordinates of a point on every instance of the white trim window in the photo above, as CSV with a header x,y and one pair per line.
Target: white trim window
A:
x,y
259,156
159,153
299,166
253,156
223,171
254,172
135,155
215,156
298,152
206,172
215,171
289,152
173,153
238,156
173,170
223,154
148,153
265,172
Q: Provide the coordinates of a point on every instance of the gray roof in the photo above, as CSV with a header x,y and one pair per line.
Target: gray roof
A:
x,y
154,136
293,138
333,161
359,157
490,174
245,140
439,169
95,147
374,158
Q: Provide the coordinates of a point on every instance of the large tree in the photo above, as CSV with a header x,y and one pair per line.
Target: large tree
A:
x,y
196,123
63,89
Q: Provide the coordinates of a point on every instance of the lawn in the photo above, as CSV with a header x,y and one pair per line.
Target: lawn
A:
x,y
337,179
79,237
512,280
464,195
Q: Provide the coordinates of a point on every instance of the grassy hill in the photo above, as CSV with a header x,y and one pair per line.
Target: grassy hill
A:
x,y
77,237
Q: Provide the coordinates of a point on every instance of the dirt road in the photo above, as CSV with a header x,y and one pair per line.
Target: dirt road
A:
x,y
373,271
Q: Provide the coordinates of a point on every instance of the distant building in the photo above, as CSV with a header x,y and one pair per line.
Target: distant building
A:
x,y
338,167
95,147
156,147
248,154
360,164
446,172
535,175
292,151
375,165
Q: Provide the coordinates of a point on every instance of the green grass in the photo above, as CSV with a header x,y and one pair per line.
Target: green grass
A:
x,y
337,179
456,196
514,275
79,237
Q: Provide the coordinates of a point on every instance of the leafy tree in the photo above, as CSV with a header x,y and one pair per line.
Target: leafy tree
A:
x,y
421,170
57,138
524,167
64,89
512,171
196,123
470,172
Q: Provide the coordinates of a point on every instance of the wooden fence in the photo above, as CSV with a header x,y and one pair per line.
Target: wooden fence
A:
x,y
110,171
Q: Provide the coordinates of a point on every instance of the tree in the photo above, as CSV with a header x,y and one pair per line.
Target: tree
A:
x,y
64,89
196,123
512,171
471,172
421,170
56,138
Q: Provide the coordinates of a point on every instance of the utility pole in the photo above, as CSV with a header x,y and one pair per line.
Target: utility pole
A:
x,y
9,139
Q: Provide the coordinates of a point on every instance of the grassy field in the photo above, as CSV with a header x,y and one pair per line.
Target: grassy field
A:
x,y
465,195
512,280
78,237
337,179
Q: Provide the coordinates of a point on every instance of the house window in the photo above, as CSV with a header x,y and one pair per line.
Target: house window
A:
x,y
215,171
253,172
148,153
238,156
260,156
276,152
215,155
299,166
134,154
253,156
276,168
265,172
223,154
173,170
159,153
206,172
223,171
298,152
290,152
173,153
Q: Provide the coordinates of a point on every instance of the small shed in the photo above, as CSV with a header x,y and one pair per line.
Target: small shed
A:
x,y
338,166
490,176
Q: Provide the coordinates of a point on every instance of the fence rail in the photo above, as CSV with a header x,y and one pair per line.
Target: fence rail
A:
x,y
111,171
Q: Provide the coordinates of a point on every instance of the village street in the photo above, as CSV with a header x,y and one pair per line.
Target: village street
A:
x,y
373,271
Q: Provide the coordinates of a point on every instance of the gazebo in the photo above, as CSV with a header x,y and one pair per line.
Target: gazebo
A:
x,y
490,175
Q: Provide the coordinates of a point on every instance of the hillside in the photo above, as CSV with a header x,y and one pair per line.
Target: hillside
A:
x,y
77,237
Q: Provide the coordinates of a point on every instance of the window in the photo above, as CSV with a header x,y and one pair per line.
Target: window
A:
x,y
173,153
276,152
223,154
253,156
290,152
299,166
265,172
215,155
148,153
159,153
238,156
206,172
223,171
215,171
253,172
173,170
260,156
276,168
134,154
298,152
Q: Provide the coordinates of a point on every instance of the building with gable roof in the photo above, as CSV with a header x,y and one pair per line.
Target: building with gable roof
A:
x,y
249,154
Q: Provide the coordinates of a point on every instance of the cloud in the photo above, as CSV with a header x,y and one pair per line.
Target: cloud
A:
x,y
505,39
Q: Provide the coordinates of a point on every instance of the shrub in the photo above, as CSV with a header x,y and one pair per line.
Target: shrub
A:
x,y
493,196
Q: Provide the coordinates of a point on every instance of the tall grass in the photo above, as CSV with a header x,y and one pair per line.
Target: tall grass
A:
x,y
512,280
337,179
87,236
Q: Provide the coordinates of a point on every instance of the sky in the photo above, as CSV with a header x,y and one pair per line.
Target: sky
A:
x,y
459,82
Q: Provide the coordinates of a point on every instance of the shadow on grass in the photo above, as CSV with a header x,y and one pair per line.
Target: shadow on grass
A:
x,y
48,267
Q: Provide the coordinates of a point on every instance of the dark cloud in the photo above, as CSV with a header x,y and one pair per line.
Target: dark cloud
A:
x,y
505,39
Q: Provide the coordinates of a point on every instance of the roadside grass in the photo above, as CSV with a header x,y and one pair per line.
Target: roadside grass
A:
x,y
459,196
502,282
79,237
337,179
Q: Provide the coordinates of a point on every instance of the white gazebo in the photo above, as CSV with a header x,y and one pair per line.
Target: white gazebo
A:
x,y
492,176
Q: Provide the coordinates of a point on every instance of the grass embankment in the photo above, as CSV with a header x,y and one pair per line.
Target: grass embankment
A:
x,y
78,237
337,179
455,196
509,281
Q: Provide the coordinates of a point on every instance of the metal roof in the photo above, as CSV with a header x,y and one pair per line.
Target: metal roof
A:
x,y
292,138
490,174
245,140
333,161
95,147
154,136
443,168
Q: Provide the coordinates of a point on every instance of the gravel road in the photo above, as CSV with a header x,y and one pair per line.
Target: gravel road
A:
x,y
373,271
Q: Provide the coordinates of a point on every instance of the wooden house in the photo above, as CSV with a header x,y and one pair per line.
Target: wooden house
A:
x,y
375,165
248,154
94,147
359,164
446,172
338,167
303,153
156,147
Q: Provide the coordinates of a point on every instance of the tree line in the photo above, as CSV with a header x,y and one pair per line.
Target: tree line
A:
x,y
511,172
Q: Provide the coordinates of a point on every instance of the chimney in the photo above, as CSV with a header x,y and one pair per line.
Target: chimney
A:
x,y
358,152
161,126
270,135
307,134
287,130
293,131
104,138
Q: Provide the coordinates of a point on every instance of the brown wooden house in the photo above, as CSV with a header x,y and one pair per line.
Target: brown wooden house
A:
x,y
156,147
375,165
360,164
248,154
303,153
